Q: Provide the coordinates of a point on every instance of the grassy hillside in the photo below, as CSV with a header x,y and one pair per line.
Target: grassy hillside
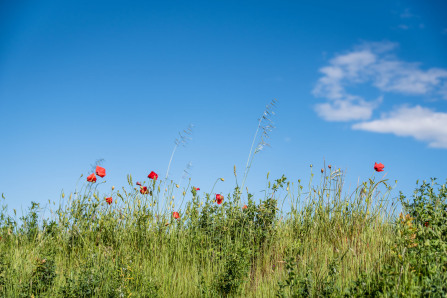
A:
x,y
330,243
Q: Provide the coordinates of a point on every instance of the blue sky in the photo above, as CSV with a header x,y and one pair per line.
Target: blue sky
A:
x,y
356,83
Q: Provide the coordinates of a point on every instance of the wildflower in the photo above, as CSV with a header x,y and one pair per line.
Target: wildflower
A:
x,y
91,178
196,188
219,198
109,200
153,175
144,190
426,224
101,172
138,183
222,179
176,215
378,167
245,207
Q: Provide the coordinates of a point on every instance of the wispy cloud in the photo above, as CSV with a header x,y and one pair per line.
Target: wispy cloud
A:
x,y
420,123
375,65
409,20
407,14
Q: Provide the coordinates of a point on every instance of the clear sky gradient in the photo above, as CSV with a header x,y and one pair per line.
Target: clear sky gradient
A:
x,y
356,82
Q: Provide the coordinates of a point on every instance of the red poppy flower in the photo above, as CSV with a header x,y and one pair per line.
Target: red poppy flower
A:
x,y
138,183
144,190
91,178
176,215
196,188
219,198
101,172
378,167
426,224
153,175
245,207
109,200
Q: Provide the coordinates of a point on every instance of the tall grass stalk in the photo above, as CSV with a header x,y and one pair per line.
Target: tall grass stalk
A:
x,y
266,125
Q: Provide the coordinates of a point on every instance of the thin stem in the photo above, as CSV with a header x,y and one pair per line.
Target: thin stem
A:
x,y
170,160
247,167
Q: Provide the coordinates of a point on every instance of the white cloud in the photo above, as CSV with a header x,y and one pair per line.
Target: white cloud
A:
x,y
407,78
375,65
418,122
372,63
346,110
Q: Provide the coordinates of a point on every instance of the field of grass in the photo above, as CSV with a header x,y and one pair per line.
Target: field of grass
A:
x,y
329,243
135,242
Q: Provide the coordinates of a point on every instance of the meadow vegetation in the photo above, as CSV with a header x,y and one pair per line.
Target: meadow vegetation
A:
x,y
134,241
329,244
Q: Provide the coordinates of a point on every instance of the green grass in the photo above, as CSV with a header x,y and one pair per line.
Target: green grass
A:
x,y
329,244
